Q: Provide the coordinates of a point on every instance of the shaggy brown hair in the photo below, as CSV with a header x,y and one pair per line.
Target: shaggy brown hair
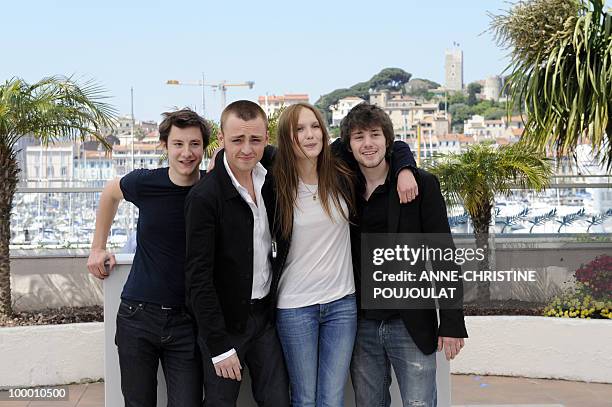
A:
x,y
182,119
365,116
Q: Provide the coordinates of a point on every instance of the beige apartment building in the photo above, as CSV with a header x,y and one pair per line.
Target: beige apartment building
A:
x,y
407,114
272,103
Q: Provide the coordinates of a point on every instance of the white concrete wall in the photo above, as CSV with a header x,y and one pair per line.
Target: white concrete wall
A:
x,y
51,354
112,384
539,347
52,282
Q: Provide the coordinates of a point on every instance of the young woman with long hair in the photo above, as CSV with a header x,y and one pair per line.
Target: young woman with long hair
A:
x,y
316,309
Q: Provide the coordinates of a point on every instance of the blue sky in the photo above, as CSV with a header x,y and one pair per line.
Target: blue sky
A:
x,y
309,47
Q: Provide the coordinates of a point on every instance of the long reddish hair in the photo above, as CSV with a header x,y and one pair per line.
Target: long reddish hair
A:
x,y
335,178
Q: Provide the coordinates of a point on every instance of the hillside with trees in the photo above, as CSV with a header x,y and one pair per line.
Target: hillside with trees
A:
x,y
388,78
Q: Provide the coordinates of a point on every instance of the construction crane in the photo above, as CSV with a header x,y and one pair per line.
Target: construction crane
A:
x,y
221,85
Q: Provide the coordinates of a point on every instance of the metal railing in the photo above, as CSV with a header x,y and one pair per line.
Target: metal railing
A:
x,y
58,215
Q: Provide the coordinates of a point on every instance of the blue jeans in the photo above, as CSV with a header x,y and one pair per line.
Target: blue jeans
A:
x,y
146,334
380,345
317,343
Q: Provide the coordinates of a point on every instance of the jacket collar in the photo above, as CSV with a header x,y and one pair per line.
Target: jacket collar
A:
x,y
229,191
227,188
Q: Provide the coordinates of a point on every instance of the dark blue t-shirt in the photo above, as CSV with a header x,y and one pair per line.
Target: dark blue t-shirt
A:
x,y
158,274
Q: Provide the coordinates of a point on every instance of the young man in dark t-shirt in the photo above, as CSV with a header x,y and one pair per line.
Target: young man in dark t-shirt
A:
x,y
152,322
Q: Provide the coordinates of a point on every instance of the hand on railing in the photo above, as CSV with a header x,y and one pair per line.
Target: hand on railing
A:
x,y
100,263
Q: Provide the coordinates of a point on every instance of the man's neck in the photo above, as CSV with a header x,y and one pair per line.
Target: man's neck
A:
x,y
307,171
184,180
244,178
375,176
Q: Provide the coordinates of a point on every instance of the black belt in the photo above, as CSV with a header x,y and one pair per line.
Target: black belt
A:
x,y
171,308
153,306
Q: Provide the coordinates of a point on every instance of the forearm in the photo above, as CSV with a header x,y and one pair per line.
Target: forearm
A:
x,y
107,210
402,157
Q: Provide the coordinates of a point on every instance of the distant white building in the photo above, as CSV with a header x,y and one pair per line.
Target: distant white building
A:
x,y
454,143
492,88
146,155
432,145
341,109
89,161
94,165
272,104
504,130
515,122
54,162
480,128
453,69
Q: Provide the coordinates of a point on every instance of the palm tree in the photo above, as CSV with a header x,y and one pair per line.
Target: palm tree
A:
x,y
473,178
560,71
53,109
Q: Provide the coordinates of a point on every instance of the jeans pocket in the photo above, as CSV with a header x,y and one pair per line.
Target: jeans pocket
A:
x,y
128,309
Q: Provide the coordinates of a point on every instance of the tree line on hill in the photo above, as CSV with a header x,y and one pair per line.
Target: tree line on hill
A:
x,y
460,105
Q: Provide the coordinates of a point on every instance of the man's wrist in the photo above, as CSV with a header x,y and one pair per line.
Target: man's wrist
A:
x,y
223,356
412,169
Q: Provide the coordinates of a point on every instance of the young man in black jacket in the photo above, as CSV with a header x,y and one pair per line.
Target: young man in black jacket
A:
x,y
230,275
403,338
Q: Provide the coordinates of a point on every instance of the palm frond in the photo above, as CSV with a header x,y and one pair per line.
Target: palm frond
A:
x,y
560,72
474,177
53,109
